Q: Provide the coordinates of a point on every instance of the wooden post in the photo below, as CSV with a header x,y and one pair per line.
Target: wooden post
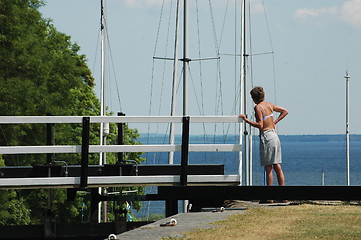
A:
x,y
85,153
121,138
185,146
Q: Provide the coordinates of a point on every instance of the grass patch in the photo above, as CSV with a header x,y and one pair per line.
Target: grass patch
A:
x,y
293,222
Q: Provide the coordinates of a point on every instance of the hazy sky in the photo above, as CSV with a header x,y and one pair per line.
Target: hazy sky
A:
x,y
314,43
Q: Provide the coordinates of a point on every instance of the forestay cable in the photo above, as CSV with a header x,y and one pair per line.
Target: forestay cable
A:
x,y
273,59
151,92
112,64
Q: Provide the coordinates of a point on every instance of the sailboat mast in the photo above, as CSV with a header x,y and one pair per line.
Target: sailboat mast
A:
x,y
104,127
185,72
248,134
185,59
102,78
245,154
347,77
174,89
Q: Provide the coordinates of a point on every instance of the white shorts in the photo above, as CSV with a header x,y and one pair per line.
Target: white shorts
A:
x,y
270,148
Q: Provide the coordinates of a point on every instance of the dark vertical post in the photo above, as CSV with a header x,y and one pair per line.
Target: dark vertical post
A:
x,y
85,153
121,138
94,201
171,208
185,146
49,218
120,221
50,140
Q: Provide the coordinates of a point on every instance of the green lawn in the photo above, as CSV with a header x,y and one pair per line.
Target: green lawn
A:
x,y
306,221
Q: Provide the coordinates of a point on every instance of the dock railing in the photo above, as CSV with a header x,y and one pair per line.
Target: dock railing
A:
x,y
96,181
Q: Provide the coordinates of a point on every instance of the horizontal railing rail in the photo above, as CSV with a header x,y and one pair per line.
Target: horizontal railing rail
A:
x,y
85,149
119,148
115,181
117,119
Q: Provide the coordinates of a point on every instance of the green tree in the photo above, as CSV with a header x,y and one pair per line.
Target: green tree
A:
x,y
41,73
13,210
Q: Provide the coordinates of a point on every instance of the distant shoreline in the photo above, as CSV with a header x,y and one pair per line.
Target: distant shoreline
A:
x,y
220,138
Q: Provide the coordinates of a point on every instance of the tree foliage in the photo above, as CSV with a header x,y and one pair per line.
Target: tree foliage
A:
x,y
41,73
13,210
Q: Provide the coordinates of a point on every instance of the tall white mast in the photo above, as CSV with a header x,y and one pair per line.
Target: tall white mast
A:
x,y
104,127
102,85
244,95
185,72
347,77
185,59
174,89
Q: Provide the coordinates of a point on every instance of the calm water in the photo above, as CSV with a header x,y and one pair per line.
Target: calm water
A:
x,y
304,159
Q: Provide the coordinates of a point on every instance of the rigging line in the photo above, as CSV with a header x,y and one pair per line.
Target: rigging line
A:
x,y
219,102
239,55
199,55
152,78
221,92
200,71
274,78
250,51
195,92
236,82
96,50
201,110
148,130
153,63
163,75
158,30
267,23
235,105
150,98
223,24
225,135
164,63
220,86
179,81
271,43
200,67
265,53
112,64
217,51
236,100
213,27
235,48
236,57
